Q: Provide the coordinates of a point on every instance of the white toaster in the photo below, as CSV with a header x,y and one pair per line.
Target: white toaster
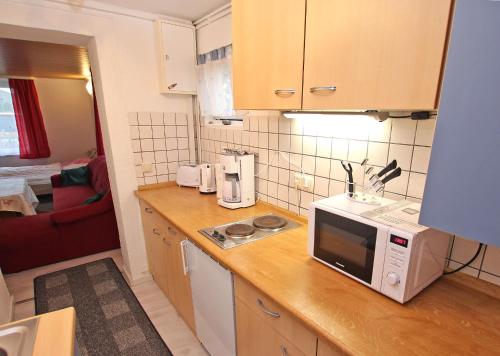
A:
x,y
188,176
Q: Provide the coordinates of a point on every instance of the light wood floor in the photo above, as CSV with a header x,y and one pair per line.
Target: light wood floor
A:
x,y
169,324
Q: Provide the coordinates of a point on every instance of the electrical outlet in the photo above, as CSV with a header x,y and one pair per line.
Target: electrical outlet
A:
x,y
303,182
147,167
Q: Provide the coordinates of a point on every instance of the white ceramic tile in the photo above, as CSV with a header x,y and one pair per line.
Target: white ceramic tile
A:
x,y
173,155
273,158
263,124
308,164
377,153
296,144
144,118
273,141
157,118
183,155
263,156
262,186
284,125
283,192
309,145
160,157
491,263
148,157
172,177
402,154
293,196
271,200
283,176
137,158
158,131
171,143
159,144
381,131
136,146
169,119
296,127
425,132
237,136
145,132
393,196
357,151
398,185
272,189
217,131
324,147
181,119
467,270
147,144
134,132
284,160
138,171
273,125
306,199
162,169
322,167
284,143
263,139
183,143
254,124
182,131
141,181
310,128
336,170
163,178
489,278
340,148
132,118
246,123
282,204
245,138
321,186
463,250
420,160
150,180
170,131
272,174
172,166
403,131
336,188
416,185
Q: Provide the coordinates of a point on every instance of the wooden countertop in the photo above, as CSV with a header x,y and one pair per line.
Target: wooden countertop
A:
x,y
457,314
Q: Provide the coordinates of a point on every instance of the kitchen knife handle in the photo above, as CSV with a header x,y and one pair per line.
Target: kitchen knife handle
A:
x,y
351,184
394,174
388,168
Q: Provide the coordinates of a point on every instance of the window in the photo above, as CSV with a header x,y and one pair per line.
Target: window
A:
x,y
215,88
9,141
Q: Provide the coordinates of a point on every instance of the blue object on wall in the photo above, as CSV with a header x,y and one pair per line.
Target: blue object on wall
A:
x,y
462,192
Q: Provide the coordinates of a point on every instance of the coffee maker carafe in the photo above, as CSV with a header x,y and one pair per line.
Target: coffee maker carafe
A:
x,y
236,180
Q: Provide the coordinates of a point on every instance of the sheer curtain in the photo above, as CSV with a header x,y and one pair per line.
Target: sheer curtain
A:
x,y
215,92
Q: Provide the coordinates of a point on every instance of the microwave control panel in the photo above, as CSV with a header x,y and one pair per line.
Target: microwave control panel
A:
x,y
395,265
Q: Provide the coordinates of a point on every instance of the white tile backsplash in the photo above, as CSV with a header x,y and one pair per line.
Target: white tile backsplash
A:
x,y
316,147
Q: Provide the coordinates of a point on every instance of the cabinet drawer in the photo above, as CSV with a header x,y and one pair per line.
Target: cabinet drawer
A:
x,y
276,317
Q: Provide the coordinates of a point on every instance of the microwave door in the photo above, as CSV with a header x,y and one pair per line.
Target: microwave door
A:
x,y
345,244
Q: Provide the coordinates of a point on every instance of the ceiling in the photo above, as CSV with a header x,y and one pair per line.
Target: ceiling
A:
x,y
186,9
20,58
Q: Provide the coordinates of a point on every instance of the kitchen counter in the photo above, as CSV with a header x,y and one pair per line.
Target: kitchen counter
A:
x,y
457,314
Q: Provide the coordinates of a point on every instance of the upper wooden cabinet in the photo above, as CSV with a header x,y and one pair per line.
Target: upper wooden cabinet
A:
x,y
357,55
383,54
268,49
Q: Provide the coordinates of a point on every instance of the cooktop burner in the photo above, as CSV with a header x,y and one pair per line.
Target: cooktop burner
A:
x,y
240,231
269,222
248,230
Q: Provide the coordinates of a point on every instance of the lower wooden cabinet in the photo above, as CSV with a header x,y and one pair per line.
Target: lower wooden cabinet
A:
x,y
166,263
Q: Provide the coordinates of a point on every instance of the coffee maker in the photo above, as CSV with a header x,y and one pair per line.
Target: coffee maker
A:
x,y
236,179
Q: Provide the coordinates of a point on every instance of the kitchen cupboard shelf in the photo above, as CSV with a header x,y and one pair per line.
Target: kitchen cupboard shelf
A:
x,y
339,55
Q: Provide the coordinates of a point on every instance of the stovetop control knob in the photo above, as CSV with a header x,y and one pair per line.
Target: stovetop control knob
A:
x,y
393,278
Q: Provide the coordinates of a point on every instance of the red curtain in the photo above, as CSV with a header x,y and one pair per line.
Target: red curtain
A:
x,y
33,141
98,132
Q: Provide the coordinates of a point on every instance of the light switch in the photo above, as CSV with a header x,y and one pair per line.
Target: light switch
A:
x,y
147,167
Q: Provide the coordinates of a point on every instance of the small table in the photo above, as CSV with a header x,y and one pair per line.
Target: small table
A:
x,y
17,195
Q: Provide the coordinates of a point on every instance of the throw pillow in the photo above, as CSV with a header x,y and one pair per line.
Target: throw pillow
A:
x,y
75,176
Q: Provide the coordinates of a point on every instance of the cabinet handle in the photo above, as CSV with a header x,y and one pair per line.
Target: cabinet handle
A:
x,y
148,210
267,311
284,351
284,92
320,89
156,231
172,86
185,257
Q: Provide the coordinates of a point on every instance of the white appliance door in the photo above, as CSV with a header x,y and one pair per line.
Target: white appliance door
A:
x,y
212,289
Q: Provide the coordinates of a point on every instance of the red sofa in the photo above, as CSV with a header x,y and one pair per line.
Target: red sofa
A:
x,y
71,230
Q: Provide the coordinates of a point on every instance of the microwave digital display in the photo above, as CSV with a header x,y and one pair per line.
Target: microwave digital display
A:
x,y
399,241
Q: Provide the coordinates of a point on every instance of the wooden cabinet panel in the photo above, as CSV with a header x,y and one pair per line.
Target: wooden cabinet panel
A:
x,y
268,46
384,54
276,316
255,337
327,349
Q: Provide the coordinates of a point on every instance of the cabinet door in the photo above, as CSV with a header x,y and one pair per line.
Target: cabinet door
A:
x,y
255,337
180,287
268,46
383,54
178,59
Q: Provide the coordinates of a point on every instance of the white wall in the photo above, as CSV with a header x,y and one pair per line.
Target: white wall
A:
x,y
214,35
124,64
68,114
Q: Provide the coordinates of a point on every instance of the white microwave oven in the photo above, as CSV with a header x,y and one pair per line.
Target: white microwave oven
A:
x,y
382,247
